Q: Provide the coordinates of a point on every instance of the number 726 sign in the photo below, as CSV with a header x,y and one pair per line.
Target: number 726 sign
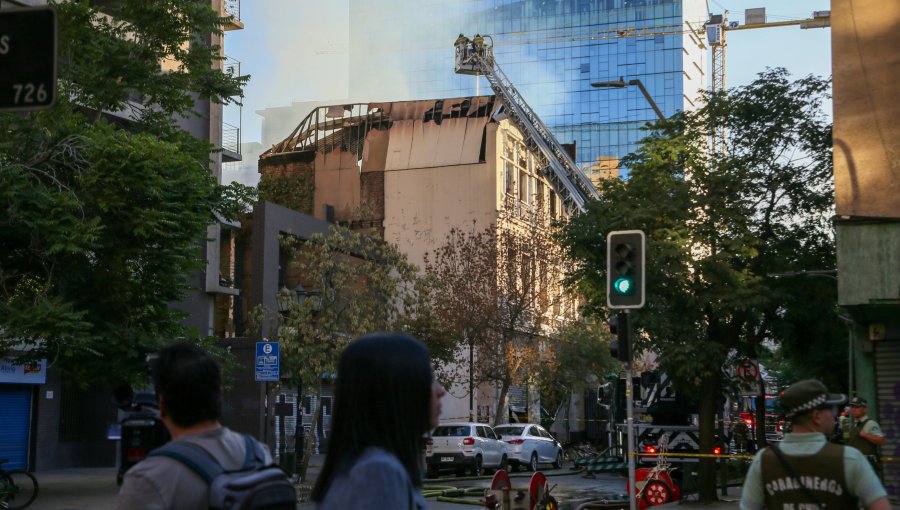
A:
x,y
27,58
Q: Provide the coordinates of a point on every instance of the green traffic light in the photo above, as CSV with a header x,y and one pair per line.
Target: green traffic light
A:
x,y
622,285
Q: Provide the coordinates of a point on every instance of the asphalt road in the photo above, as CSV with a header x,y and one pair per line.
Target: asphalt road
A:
x,y
96,489
568,487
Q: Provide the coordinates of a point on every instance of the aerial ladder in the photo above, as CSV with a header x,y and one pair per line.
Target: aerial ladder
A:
x,y
575,190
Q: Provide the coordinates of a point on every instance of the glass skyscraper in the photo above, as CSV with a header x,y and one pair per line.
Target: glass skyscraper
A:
x,y
552,50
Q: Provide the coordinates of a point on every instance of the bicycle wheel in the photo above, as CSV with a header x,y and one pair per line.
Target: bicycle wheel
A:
x,y
17,490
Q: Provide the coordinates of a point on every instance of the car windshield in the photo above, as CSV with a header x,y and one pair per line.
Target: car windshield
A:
x,y
510,431
451,431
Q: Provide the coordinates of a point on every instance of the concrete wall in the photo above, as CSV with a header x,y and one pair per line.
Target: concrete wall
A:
x,y
695,57
866,67
868,258
94,413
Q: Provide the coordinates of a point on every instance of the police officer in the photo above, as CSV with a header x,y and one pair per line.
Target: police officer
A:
x,y
805,470
865,434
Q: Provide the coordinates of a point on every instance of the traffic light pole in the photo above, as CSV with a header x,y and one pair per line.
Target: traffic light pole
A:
x,y
629,421
625,285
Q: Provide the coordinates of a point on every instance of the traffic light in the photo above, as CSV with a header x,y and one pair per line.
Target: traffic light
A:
x,y
620,348
625,280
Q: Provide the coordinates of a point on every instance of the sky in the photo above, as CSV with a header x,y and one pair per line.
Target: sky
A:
x,y
297,50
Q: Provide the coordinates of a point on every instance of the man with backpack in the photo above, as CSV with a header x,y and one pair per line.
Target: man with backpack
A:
x,y
199,468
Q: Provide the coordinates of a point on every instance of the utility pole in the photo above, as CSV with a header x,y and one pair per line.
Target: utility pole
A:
x,y
625,285
629,420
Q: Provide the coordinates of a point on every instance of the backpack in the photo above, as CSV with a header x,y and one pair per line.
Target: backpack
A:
x,y
256,485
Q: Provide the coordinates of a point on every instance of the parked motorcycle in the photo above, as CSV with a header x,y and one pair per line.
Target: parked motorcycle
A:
x,y
140,430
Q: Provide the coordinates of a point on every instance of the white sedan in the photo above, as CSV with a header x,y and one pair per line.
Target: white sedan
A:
x,y
529,445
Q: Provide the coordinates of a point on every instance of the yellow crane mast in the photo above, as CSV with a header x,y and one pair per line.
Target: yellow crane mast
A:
x,y
716,29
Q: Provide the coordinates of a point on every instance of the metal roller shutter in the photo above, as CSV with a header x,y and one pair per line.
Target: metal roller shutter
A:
x,y
15,424
887,379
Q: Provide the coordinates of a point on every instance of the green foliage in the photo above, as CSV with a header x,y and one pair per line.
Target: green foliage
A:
x,y
293,192
109,57
358,284
579,357
716,225
102,226
237,200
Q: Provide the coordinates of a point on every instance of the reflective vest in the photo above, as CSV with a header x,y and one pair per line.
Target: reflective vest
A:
x,y
822,474
863,445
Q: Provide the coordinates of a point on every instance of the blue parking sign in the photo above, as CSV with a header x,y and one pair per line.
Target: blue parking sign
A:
x,y
268,361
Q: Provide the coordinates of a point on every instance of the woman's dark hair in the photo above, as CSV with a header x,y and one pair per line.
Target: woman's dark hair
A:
x,y
383,399
188,379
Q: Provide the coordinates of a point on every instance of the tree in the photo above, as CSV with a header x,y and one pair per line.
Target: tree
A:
x,y
356,284
578,356
501,293
102,226
716,225
464,273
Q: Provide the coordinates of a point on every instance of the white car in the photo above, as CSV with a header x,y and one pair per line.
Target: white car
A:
x,y
464,446
530,444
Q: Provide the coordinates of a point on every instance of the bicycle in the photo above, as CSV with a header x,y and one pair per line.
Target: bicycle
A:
x,y
17,488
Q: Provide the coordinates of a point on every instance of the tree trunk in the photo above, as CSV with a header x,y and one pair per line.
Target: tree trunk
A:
x,y
471,380
709,397
310,438
761,441
504,390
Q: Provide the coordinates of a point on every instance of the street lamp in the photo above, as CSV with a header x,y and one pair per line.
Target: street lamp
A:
x,y
621,84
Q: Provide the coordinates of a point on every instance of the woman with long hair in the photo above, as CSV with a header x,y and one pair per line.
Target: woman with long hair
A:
x,y
386,398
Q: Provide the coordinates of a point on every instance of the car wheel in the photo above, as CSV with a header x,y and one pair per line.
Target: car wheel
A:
x,y
504,463
478,466
559,460
533,464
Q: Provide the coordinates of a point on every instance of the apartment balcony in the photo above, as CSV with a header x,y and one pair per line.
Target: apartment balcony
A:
x,y
231,143
231,126
233,11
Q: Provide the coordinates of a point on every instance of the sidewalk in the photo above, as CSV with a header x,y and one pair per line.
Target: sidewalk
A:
x,y
75,489
304,487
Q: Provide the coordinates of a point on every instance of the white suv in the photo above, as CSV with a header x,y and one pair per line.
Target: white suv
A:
x,y
464,446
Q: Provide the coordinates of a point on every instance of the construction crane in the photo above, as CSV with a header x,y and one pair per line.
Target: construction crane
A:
x,y
716,28
476,57
718,25
593,33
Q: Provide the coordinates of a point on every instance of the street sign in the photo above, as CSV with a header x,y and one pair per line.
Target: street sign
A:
x,y
268,362
748,371
27,58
